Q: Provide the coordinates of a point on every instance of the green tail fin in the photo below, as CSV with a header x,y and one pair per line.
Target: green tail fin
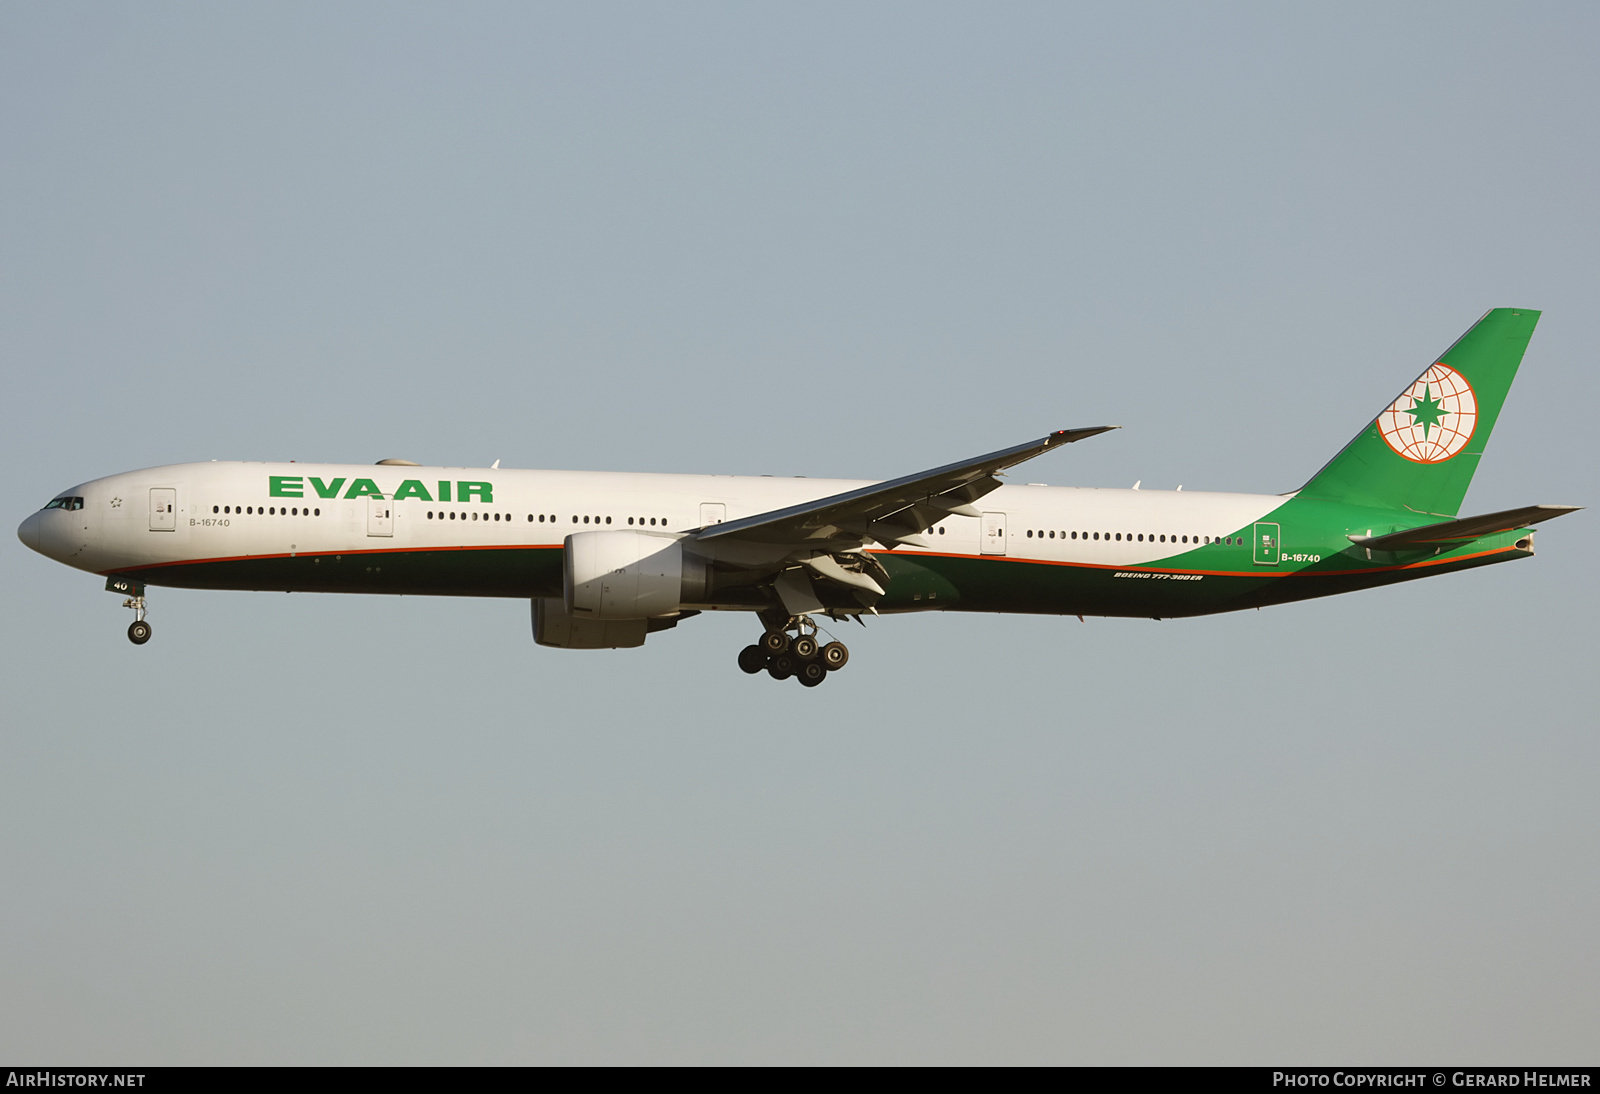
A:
x,y
1420,453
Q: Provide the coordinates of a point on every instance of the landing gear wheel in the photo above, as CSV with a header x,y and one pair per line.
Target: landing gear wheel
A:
x,y
811,673
835,656
804,647
781,667
139,632
752,659
775,642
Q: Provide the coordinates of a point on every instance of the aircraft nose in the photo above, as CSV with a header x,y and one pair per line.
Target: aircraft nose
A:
x,y
28,531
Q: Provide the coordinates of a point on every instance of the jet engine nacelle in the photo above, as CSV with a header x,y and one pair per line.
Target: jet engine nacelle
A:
x,y
628,574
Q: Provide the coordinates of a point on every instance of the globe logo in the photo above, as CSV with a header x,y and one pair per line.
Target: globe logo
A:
x,y
1434,419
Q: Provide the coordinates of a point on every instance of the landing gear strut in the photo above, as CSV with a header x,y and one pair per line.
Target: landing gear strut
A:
x,y
138,630
784,654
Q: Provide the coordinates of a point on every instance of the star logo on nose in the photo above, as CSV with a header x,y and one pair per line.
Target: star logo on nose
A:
x,y
116,503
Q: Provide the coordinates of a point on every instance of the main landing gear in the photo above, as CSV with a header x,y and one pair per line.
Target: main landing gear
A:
x,y
799,655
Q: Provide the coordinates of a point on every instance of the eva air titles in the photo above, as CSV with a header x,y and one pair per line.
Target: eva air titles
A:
x,y
294,486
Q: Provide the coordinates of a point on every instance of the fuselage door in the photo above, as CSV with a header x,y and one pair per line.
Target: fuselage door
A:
x,y
163,509
994,534
1267,545
380,516
712,512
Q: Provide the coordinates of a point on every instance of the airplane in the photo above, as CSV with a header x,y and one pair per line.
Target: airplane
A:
x,y
608,559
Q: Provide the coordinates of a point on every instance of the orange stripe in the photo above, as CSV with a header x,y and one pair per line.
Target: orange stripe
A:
x,y
339,554
1144,568
902,554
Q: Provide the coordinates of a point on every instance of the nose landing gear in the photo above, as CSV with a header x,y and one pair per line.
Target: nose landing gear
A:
x,y
782,654
138,630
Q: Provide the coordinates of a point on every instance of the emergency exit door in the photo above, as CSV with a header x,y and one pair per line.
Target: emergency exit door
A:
x,y
1267,545
380,516
163,510
994,534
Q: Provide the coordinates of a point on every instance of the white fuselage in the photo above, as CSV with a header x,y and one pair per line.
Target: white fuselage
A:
x,y
233,511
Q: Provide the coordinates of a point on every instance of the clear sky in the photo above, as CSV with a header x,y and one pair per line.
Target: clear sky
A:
x,y
828,240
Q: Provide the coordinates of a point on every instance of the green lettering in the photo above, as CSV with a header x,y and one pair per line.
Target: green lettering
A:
x,y
363,488
411,488
284,486
465,491
326,490
444,489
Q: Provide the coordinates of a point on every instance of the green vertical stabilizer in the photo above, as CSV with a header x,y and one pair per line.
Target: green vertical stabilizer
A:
x,y
1421,451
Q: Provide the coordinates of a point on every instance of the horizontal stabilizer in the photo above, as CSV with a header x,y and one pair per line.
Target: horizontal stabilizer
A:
x,y
1455,531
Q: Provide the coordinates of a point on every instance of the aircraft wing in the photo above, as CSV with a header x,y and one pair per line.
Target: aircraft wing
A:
x,y
1456,531
891,511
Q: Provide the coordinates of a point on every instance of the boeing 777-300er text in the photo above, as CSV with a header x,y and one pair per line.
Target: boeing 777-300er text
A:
x,y
608,559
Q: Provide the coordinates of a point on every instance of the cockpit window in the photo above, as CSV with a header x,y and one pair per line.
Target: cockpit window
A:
x,y
65,503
